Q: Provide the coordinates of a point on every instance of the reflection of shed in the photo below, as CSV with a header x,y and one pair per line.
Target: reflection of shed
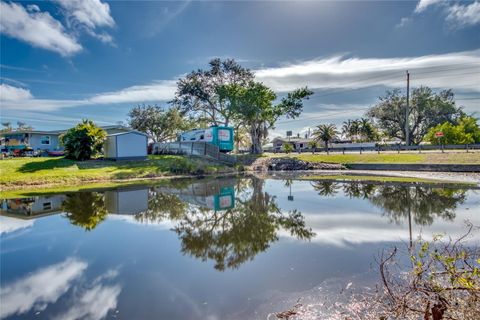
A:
x,y
126,145
32,207
126,201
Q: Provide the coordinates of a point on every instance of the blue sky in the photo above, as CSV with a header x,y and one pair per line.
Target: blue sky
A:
x,y
66,60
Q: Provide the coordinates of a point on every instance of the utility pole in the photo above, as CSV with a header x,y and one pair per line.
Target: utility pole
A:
x,y
407,112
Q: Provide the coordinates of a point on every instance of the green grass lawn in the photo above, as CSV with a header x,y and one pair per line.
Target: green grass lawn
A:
x,y
430,158
37,171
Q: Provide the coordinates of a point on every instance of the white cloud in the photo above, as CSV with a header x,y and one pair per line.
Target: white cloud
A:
x,y
93,304
424,4
8,225
88,15
38,29
458,71
464,15
437,71
40,288
158,91
403,22
10,93
457,15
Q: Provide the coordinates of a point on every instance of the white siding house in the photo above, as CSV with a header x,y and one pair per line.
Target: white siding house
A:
x,y
126,145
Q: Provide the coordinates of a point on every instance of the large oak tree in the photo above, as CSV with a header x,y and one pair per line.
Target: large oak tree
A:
x,y
427,109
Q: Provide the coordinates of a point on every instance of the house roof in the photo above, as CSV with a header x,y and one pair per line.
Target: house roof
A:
x,y
53,132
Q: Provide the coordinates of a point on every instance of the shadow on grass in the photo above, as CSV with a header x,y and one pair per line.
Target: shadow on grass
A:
x,y
46,165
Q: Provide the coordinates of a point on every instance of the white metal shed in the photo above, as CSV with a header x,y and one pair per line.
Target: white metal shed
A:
x,y
126,145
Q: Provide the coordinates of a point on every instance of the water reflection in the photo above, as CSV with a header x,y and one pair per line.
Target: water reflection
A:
x,y
398,201
65,273
66,279
233,236
244,221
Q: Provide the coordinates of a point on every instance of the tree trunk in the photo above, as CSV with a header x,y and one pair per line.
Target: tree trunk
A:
x,y
256,136
326,146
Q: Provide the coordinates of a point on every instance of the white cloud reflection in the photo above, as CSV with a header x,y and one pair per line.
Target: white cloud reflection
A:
x,y
362,227
34,292
40,288
9,225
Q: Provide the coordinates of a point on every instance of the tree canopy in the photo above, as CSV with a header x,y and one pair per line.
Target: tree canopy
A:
x,y
466,131
198,92
161,125
361,130
253,107
83,141
325,133
227,94
427,109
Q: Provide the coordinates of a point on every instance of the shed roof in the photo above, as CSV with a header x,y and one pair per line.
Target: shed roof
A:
x,y
127,132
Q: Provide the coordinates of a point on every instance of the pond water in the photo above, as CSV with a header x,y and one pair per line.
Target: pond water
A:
x,y
227,248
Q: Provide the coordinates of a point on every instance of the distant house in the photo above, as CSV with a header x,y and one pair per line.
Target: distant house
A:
x,y
299,144
126,145
36,140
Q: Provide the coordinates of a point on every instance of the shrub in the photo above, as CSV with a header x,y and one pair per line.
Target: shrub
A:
x,y
83,141
287,147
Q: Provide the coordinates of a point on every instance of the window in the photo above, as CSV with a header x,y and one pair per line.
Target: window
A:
x,y
47,206
45,140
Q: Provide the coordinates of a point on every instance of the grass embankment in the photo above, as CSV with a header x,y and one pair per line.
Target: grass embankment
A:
x,y
402,158
30,172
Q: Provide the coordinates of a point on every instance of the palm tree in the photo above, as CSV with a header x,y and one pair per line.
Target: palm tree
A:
x,y
368,130
355,129
325,133
364,128
347,129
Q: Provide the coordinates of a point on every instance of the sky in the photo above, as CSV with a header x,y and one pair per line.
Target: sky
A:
x,y
62,61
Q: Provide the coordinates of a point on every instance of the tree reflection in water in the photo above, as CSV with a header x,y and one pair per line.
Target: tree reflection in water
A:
x,y
326,188
85,209
400,201
236,235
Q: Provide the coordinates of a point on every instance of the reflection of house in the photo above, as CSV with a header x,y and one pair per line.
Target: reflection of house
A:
x,y
32,207
297,143
218,194
126,201
37,140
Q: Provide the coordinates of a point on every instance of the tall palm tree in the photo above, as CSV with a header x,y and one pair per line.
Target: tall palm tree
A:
x,y
355,129
325,133
347,129
365,128
368,130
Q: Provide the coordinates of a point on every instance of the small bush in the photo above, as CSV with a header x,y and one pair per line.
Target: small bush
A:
x,y
287,147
